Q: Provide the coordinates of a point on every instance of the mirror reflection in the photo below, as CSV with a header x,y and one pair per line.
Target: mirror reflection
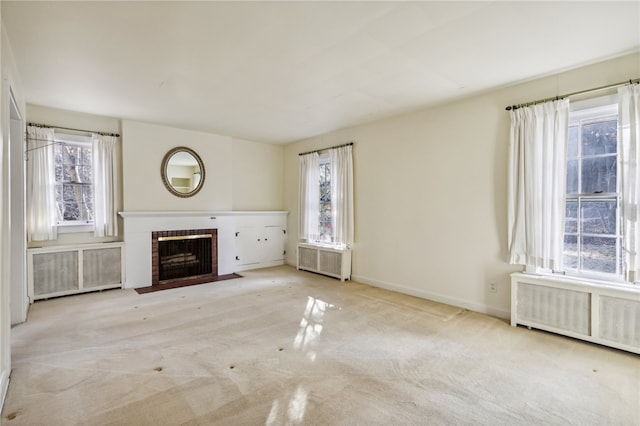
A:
x,y
182,172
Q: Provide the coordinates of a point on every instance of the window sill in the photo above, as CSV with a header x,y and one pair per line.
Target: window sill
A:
x,y
583,281
75,228
332,246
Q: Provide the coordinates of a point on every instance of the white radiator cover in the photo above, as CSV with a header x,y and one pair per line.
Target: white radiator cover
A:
x,y
326,260
63,270
595,312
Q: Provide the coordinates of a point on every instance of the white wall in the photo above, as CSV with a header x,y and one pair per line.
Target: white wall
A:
x,y
144,146
257,176
72,119
240,174
431,191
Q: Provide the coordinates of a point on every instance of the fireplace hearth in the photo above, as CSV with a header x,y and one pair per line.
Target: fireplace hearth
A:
x,y
185,256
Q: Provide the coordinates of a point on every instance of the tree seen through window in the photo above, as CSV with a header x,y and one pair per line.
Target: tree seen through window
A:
x,y
73,188
326,232
592,240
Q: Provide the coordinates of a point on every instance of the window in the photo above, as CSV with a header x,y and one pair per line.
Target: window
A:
x,y
593,237
325,231
326,196
71,180
74,180
573,187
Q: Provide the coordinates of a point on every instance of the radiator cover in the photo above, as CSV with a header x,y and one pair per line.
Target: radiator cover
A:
x,y
598,313
64,270
326,260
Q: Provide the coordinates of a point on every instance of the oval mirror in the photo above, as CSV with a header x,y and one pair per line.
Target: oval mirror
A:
x,y
182,172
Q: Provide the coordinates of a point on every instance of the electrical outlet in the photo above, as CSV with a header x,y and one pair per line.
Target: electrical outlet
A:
x,y
493,288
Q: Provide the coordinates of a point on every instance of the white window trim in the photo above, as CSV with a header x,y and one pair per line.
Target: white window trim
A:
x,y
600,106
324,160
594,279
605,102
71,227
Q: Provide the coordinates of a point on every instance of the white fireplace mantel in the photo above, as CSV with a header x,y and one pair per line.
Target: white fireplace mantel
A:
x,y
197,213
138,226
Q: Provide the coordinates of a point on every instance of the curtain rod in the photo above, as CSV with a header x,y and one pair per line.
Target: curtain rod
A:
x,y
326,149
72,129
581,92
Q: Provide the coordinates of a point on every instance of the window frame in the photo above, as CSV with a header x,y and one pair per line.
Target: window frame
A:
x,y
584,113
84,141
325,162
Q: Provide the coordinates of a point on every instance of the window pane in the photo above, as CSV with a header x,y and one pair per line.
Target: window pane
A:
x,y
571,251
599,254
68,192
325,212
325,232
571,217
572,142
325,202
599,175
59,197
572,177
86,156
325,193
325,173
600,138
71,211
87,203
72,199
70,173
59,202
59,174
70,154
591,239
598,217
57,153
84,174
73,169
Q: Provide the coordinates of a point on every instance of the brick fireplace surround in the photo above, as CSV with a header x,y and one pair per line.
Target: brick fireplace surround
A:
x,y
155,256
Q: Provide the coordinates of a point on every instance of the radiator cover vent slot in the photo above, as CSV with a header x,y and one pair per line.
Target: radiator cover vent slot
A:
x,y
556,307
620,320
102,267
55,272
331,262
307,258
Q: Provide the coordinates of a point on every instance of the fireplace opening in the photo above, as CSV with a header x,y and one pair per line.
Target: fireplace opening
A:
x,y
184,255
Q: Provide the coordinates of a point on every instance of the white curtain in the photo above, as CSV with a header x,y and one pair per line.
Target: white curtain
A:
x,y
105,185
537,182
629,155
342,194
42,212
309,197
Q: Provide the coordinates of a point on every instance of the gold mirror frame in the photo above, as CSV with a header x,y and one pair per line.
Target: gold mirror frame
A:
x,y
165,176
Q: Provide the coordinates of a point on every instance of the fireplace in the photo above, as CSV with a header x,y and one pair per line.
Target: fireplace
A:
x,y
185,256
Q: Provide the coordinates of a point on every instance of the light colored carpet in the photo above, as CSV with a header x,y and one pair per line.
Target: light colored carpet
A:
x,y
280,346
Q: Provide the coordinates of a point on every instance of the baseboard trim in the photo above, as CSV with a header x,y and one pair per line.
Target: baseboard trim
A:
x,y
476,307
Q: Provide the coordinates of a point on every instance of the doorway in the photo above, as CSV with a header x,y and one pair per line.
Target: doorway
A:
x,y
17,253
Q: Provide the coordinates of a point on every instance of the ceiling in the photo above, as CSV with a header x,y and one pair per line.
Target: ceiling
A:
x,y
278,72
